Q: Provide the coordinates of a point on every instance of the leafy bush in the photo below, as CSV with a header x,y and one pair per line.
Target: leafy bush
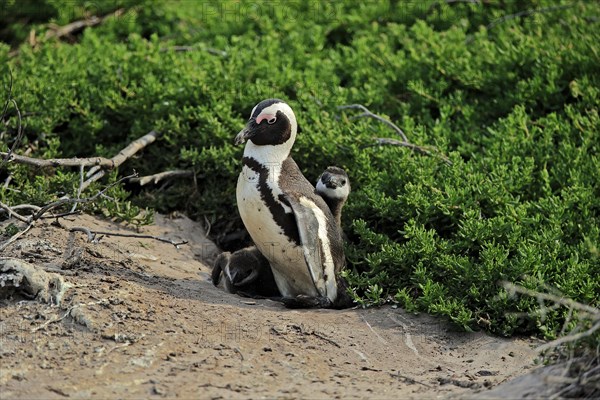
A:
x,y
510,96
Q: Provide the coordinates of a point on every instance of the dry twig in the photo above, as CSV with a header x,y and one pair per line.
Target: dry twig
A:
x,y
12,213
369,114
15,237
144,180
209,50
64,201
586,312
95,162
74,26
524,13
394,142
60,162
565,301
95,173
91,234
66,314
40,211
10,100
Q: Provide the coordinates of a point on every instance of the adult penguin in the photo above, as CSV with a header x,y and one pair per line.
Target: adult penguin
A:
x,y
288,221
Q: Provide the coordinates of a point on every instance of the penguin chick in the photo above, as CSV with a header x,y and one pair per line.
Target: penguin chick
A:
x,y
334,187
247,272
288,221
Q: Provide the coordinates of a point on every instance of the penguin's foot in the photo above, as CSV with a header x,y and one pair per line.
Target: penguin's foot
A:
x,y
304,301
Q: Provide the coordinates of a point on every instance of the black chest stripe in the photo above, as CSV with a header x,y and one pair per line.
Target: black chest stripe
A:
x,y
285,221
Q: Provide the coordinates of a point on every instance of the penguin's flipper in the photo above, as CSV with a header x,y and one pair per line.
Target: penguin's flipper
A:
x,y
308,218
220,263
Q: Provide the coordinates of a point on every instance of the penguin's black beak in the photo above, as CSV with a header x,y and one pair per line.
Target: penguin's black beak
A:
x,y
248,132
333,181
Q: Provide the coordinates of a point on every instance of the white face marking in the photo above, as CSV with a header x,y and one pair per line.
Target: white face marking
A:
x,y
338,193
252,112
228,272
326,256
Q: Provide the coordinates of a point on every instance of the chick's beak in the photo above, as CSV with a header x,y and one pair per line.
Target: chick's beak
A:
x,y
246,133
331,181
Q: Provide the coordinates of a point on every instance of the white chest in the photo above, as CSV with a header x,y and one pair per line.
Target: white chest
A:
x,y
285,256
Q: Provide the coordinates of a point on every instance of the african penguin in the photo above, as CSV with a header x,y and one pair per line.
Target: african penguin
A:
x,y
288,221
247,272
334,187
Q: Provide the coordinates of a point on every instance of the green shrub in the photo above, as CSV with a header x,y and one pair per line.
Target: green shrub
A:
x,y
512,101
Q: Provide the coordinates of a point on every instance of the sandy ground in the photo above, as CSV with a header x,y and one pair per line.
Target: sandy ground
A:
x,y
142,320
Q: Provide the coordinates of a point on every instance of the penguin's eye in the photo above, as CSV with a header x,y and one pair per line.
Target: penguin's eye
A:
x,y
343,182
272,121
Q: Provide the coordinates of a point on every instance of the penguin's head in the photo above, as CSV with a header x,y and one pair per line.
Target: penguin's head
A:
x,y
334,183
272,122
242,269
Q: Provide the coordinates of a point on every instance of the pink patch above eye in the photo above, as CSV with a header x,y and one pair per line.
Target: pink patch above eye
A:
x,y
262,117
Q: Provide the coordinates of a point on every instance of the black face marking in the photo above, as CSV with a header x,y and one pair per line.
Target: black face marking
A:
x,y
334,177
285,221
271,134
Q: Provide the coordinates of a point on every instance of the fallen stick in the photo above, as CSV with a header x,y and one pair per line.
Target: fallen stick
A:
x,y
144,180
91,234
12,213
366,113
59,162
15,237
95,162
78,25
369,114
95,173
39,213
19,137
66,314
63,201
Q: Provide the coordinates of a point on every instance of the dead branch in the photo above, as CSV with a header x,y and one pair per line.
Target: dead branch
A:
x,y
15,237
61,215
91,234
80,187
39,213
571,338
369,114
209,50
144,180
394,142
64,201
95,162
570,303
95,173
12,213
60,162
74,26
25,207
10,100
586,313
526,13
66,314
